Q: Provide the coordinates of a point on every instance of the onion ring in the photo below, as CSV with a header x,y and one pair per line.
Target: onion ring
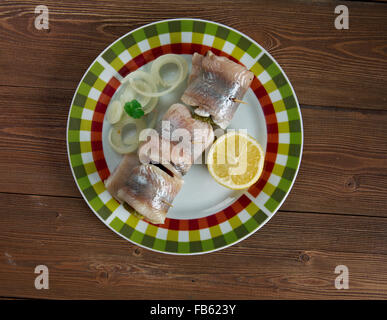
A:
x,y
181,64
115,135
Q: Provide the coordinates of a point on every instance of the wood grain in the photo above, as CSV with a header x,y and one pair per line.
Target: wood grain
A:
x,y
335,213
344,163
293,257
325,65
343,169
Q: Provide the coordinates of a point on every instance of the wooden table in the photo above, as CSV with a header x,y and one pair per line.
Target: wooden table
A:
x,y
336,213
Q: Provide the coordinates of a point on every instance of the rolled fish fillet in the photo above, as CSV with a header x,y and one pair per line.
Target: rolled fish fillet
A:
x,y
179,142
197,60
121,174
213,84
145,187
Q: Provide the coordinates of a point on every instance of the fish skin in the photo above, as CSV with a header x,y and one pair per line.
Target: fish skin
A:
x,y
196,66
121,174
149,191
143,187
177,155
213,82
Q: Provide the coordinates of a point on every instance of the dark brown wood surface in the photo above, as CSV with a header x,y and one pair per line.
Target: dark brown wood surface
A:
x,y
335,214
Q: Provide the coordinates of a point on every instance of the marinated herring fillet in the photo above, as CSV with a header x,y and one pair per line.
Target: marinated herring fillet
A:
x,y
121,174
180,140
213,86
146,188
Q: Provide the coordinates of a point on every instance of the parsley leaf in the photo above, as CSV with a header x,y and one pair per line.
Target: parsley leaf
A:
x,y
134,109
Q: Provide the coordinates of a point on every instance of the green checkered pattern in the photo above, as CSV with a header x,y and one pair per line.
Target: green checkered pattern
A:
x,y
193,241
253,57
79,143
290,132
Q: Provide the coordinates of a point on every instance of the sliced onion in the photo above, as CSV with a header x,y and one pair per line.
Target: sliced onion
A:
x,y
141,75
115,111
147,103
129,144
150,106
164,60
144,83
128,95
143,87
181,64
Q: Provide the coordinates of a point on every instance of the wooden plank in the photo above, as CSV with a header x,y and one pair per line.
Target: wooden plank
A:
x,y
34,153
326,66
343,168
344,164
293,256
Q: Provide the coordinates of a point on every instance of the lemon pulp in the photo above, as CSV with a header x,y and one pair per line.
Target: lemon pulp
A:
x,y
236,160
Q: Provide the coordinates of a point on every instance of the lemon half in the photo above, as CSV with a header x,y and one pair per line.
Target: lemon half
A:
x,y
236,160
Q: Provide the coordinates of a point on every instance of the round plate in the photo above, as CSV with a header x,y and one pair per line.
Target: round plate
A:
x,y
206,216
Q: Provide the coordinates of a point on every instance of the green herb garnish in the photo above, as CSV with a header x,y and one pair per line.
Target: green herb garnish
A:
x,y
203,119
134,109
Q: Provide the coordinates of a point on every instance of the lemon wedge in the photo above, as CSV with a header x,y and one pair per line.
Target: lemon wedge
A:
x,y
236,160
